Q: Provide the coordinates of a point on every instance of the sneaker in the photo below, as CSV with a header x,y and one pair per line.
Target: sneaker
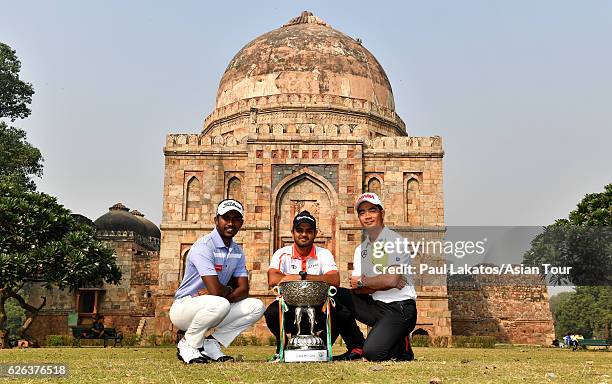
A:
x,y
212,350
188,354
353,354
274,358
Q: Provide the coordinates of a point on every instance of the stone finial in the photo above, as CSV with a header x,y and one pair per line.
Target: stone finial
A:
x,y
119,207
136,212
306,17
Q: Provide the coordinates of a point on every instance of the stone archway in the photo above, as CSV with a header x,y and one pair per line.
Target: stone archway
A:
x,y
304,190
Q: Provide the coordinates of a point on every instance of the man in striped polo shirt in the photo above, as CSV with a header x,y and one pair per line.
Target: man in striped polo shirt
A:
x,y
214,291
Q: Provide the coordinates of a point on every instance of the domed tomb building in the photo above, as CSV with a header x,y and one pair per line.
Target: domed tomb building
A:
x,y
126,306
304,119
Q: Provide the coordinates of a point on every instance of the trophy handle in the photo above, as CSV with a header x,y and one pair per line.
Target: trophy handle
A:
x,y
332,291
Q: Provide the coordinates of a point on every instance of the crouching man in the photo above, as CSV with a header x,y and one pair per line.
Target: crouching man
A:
x,y
214,291
304,260
381,295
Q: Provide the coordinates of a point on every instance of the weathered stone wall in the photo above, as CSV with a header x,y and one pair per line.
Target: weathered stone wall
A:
x,y
514,309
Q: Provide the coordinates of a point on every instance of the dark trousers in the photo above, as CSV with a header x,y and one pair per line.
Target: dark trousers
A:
x,y
390,322
341,324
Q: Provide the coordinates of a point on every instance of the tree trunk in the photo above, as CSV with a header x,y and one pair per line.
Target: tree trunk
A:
x,y
4,334
31,313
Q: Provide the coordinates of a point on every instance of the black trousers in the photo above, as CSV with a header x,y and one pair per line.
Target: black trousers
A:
x,y
342,323
390,322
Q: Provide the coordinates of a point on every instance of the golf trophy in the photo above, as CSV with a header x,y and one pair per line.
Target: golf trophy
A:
x,y
305,295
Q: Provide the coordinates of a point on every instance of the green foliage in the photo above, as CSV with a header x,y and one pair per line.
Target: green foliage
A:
x,y
130,340
58,340
421,341
19,160
272,340
474,341
42,242
595,209
242,340
587,311
15,316
15,94
440,341
581,242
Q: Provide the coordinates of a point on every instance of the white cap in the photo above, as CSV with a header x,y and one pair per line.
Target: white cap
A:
x,y
230,205
369,197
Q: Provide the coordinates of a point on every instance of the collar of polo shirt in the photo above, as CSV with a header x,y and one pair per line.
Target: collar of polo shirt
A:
x,y
296,255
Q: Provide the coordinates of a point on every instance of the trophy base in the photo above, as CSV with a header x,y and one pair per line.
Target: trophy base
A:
x,y
305,355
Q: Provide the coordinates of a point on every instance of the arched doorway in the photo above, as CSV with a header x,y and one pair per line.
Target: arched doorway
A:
x,y
304,190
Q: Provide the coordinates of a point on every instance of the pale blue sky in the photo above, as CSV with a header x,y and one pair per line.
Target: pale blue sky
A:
x,y
520,91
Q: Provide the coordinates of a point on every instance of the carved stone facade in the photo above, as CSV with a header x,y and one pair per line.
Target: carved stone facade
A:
x,y
310,129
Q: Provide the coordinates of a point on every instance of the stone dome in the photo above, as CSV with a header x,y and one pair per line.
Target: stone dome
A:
x,y
118,218
152,229
305,56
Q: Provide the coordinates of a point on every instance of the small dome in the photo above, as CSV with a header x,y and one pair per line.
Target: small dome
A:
x,y
152,229
305,56
118,218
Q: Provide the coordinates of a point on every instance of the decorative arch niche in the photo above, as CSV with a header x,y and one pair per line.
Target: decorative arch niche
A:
x,y
193,200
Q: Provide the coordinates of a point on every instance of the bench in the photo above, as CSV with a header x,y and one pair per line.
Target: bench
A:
x,y
594,343
109,334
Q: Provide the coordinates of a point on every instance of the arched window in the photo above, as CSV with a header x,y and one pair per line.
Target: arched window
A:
x,y
374,186
413,209
193,200
234,189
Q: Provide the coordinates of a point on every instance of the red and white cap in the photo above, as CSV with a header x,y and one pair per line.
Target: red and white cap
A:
x,y
370,197
230,205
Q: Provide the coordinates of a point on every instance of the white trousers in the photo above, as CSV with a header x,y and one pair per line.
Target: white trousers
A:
x,y
196,315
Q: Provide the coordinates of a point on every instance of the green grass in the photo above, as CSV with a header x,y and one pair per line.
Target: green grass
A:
x,y
451,365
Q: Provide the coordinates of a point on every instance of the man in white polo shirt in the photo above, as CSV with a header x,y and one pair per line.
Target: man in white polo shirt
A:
x,y
214,291
304,260
381,294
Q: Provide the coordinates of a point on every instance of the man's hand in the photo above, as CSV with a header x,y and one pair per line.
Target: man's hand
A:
x,y
353,281
401,283
290,278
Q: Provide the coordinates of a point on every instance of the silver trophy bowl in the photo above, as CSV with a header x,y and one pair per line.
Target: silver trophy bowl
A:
x,y
304,293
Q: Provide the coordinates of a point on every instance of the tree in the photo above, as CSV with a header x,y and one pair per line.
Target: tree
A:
x,y
587,311
15,94
42,242
583,242
19,160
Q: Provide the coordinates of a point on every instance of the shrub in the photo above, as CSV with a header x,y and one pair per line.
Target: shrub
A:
x,y
271,341
240,340
421,341
58,340
474,341
254,340
440,341
130,339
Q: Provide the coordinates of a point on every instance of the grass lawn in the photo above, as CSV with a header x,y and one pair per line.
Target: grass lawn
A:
x,y
450,365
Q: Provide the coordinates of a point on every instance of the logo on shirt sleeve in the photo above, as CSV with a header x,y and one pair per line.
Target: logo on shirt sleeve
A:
x,y
218,267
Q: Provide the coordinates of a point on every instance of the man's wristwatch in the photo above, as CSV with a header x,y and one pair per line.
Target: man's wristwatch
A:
x,y
359,283
303,275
